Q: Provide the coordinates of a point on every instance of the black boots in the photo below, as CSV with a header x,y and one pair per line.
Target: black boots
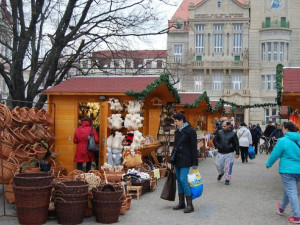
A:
x,y
181,204
189,208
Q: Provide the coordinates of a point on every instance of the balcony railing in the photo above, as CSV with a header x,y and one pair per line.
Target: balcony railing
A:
x,y
276,24
218,64
242,92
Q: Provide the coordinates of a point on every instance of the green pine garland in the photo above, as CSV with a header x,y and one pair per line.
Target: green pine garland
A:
x,y
164,78
279,77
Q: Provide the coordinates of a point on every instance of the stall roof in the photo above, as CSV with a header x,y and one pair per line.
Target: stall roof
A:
x,y
101,84
291,79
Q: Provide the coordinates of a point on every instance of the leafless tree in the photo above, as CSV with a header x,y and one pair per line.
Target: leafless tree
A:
x,y
50,36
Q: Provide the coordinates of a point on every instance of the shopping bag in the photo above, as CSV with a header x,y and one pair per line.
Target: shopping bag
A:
x,y
196,184
169,189
251,152
91,144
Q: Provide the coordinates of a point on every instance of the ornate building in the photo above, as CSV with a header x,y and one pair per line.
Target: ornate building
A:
x,y
230,48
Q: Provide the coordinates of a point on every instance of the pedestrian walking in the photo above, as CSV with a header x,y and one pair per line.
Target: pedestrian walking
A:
x,y
80,138
186,156
256,134
245,140
227,143
287,150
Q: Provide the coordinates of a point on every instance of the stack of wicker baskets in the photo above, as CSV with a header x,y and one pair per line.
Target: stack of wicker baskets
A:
x,y
71,201
32,197
107,203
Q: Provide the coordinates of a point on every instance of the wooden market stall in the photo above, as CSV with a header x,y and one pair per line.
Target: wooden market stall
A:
x,y
291,91
83,96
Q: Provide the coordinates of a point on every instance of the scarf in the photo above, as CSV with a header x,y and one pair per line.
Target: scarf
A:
x,y
183,126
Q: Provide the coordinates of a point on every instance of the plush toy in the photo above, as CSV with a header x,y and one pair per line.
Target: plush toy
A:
x,y
133,121
117,141
115,121
109,141
116,156
138,139
109,156
115,104
134,107
129,137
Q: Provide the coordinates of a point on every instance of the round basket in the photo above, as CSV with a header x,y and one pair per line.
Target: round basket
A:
x,y
24,115
70,212
32,215
5,115
33,179
9,193
30,166
32,197
72,187
106,194
20,154
107,211
10,166
71,197
6,151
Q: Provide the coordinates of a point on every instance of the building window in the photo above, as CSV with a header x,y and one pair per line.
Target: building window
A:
x,y
198,58
236,82
263,82
281,51
179,25
274,81
116,63
269,51
199,27
84,64
237,58
287,51
269,82
270,112
275,45
177,53
127,64
149,64
219,4
159,64
198,83
263,52
237,38
199,45
218,38
217,83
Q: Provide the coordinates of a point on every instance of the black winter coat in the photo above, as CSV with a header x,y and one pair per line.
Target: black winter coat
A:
x,y
226,142
255,133
186,154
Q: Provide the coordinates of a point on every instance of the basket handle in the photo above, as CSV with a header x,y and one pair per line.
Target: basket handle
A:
x,y
96,172
60,199
77,175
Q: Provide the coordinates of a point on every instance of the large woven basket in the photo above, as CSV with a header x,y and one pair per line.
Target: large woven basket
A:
x,y
71,197
70,212
32,215
33,179
10,166
107,211
72,187
102,193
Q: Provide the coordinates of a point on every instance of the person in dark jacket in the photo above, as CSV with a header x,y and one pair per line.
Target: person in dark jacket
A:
x,y
80,138
255,137
269,129
275,135
226,141
186,156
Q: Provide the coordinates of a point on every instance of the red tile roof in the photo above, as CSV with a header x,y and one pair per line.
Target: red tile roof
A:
x,y
188,98
101,85
183,10
134,54
291,79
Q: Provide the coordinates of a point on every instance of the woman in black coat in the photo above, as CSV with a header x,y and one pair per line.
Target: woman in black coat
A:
x,y
186,156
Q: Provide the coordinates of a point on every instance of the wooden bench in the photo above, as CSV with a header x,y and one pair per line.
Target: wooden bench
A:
x,y
134,191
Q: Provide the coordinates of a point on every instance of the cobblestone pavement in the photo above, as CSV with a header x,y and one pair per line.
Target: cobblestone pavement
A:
x,y
250,199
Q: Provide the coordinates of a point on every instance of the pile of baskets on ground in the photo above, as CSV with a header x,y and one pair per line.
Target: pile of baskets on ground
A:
x,y
26,138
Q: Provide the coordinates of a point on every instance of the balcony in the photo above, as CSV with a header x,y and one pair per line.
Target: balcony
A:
x,y
276,24
230,92
219,65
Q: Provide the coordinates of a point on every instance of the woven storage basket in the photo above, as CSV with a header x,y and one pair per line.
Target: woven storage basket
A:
x,y
71,197
32,215
24,115
107,211
70,212
105,194
20,154
6,151
40,151
30,166
32,197
10,166
33,179
5,115
72,187
9,192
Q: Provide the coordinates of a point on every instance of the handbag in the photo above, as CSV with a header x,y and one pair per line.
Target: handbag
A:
x,y
169,189
173,154
91,144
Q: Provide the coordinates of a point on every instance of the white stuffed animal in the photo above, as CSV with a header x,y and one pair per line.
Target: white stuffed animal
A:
x,y
115,121
133,121
109,141
134,106
116,157
117,141
137,140
115,104
109,156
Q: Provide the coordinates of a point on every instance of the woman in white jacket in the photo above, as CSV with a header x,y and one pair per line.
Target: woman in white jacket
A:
x,y
245,139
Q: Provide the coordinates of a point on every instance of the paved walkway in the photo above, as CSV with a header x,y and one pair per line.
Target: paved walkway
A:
x,y
250,199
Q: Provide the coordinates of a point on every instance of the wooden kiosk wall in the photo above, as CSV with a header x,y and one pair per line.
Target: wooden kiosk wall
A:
x,y
66,120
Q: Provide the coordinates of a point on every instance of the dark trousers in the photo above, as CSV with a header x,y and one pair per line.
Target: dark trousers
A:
x,y
255,147
244,153
87,166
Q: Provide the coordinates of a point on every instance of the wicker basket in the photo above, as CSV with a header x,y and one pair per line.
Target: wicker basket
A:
x,y
10,166
72,187
70,212
9,192
71,197
30,166
32,215
144,183
32,197
107,211
5,115
33,179
102,193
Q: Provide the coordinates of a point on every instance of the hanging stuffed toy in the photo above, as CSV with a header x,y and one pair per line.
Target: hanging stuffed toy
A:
x,y
132,158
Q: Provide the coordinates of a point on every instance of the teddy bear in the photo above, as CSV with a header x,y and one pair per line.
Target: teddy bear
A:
x,y
138,139
117,141
109,156
134,106
116,157
115,104
133,121
115,121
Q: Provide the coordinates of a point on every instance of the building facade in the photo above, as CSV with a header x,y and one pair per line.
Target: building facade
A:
x,y
230,49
